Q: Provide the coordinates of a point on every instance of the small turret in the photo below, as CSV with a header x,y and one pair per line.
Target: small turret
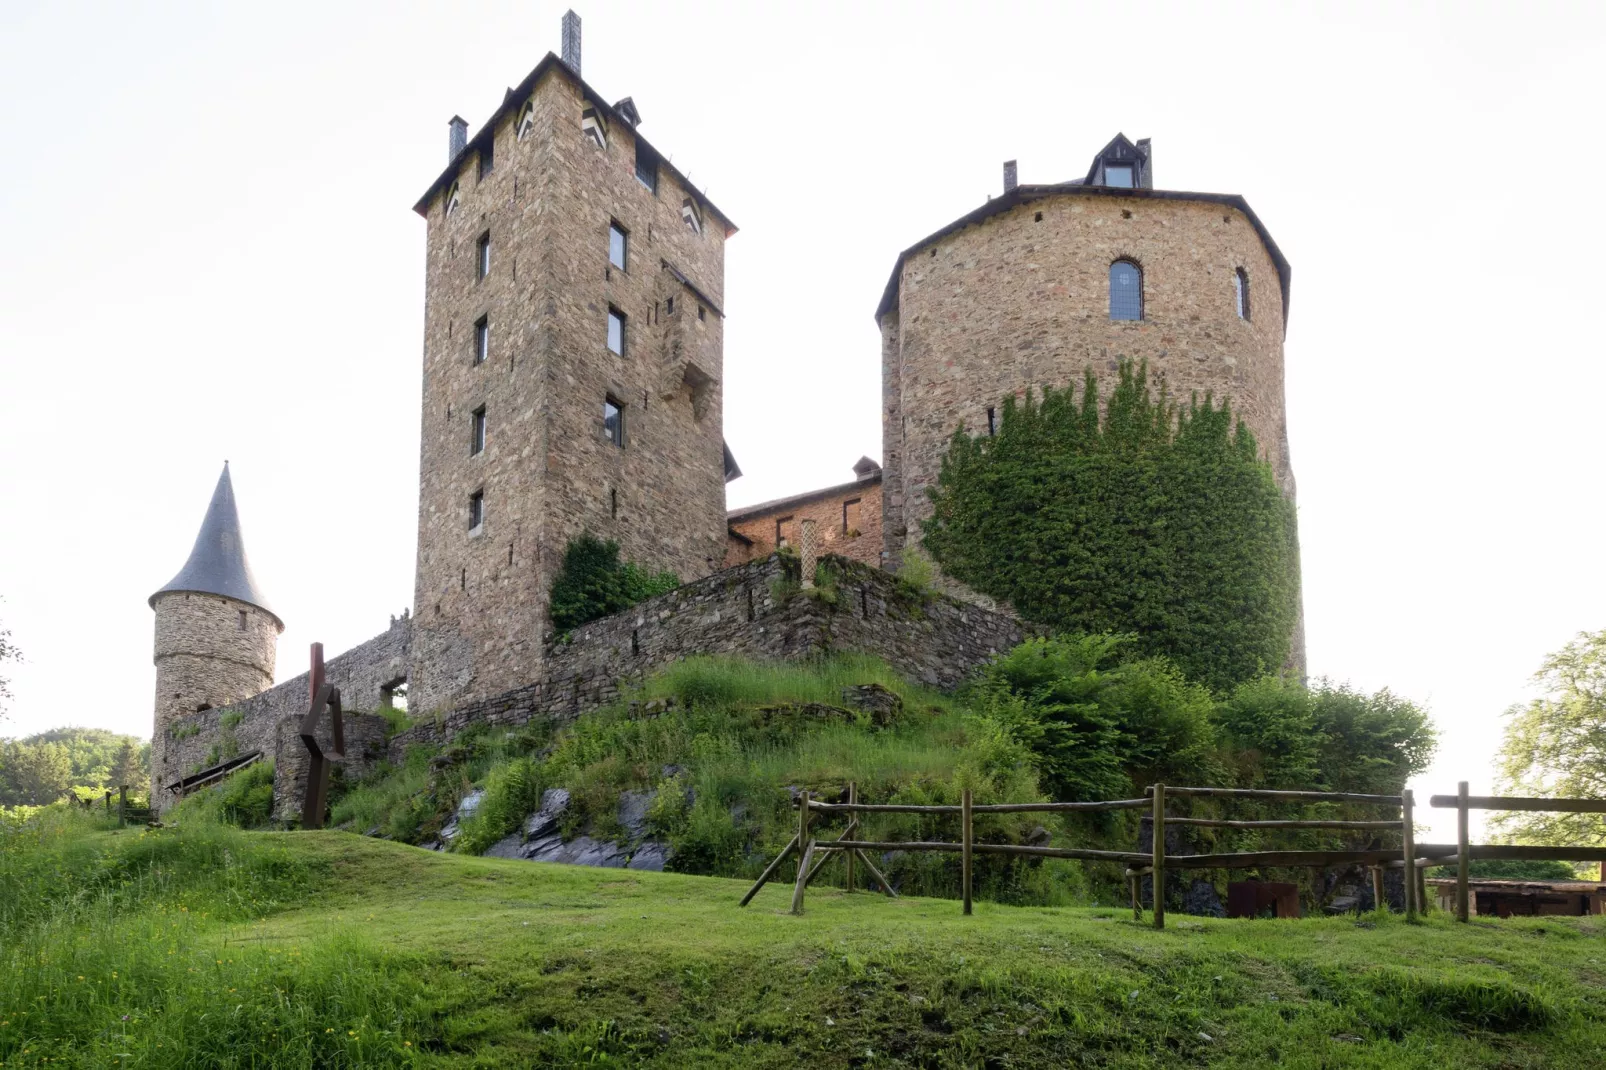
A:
x,y
216,637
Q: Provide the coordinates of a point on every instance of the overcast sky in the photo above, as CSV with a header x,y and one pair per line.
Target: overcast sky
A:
x,y
209,252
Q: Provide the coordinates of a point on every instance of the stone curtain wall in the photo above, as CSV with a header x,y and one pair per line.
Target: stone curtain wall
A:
x,y
203,739
936,640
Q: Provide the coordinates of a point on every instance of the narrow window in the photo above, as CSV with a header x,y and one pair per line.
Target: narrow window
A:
x,y
850,518
669,306
1126,291
992,422
593,128
1240,286
476,431
647,167
616,331
783,532
487,157
693,218
613,502
613,421
1119,175
482,256
482,340
476,509
618,245
702,313
526,119
453,199
242,620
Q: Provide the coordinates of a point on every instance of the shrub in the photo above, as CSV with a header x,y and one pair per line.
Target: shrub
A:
x,y
1157,521
244,799
594,583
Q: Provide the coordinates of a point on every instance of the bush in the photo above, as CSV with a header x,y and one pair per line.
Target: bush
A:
x,y
245,799
1158,521
594,583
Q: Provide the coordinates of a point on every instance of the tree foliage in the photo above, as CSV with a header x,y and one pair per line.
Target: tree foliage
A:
x,y
8,652
42,768
1556,746
1104,721
1154,520
594,583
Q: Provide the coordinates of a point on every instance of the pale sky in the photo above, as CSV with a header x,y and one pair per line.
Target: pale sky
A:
x,y
209,253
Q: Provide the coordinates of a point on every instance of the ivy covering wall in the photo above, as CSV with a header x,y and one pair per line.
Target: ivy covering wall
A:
x,y
1152,519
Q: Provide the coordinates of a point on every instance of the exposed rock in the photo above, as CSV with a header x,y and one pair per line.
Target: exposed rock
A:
x,y
554,803
650,856
882,705
1201,898
1343,904
632,813
465,810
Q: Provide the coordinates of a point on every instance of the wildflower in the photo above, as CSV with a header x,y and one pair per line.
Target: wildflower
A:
x,y
328,1030
407,1043
351,1032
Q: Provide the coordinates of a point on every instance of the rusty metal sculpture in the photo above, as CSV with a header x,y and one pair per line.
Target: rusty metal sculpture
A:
x,y
325,696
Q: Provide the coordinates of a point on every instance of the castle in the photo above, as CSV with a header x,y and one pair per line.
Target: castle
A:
x,y
572,368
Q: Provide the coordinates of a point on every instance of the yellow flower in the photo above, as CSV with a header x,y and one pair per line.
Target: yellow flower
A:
x,y
407,1043
351,1033
328,1030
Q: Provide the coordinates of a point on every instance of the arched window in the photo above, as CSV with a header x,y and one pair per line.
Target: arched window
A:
x,y
1240,287
1126,291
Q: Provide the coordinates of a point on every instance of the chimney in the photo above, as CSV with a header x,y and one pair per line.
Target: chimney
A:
x,y
456,137
571,41
1147,175
1010,180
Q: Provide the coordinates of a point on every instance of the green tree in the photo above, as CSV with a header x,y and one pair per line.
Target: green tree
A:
x,y
1154,520
595,583
1556,746
37,773
8,652
131,766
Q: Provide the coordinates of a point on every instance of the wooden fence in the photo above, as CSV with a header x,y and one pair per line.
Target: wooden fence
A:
x,y
1410,857
125,812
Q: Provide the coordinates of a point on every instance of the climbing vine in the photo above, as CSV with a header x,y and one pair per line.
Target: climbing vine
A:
x,y
1153,519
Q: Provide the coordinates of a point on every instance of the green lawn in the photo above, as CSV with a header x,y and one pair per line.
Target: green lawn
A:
x,y
346,951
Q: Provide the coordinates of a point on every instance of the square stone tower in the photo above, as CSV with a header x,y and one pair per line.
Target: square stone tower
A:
x,y
572,366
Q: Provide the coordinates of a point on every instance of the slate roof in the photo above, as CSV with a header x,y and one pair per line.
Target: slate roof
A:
x,y
217,563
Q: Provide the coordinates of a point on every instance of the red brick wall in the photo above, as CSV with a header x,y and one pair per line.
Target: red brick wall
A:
x,y
827,512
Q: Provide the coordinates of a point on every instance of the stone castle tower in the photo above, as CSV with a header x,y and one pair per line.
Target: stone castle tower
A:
x,y
572,364
1044,282
215,634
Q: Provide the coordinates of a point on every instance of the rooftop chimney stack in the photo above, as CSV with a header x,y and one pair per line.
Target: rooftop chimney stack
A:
x,y
1010,179
571,40
1146,146
456,137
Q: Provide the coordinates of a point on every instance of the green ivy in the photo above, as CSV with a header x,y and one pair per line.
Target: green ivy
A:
x,y
594,583
1156,520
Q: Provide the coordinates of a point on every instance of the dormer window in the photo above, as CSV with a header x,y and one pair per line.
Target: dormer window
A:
x,y
1118,175
594,127
526,121
688,212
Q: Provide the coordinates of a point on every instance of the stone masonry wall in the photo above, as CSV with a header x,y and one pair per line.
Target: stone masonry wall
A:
x,y
201,740
750,611
851,530
547,470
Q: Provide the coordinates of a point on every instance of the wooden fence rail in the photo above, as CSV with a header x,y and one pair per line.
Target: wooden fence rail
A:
x,y
1411,857
1461,802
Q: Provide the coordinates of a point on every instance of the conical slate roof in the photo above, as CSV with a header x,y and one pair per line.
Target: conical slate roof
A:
x,y
217,564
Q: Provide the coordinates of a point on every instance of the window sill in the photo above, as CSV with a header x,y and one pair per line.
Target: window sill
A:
x,y
476,531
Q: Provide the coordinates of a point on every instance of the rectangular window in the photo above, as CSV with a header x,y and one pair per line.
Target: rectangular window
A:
x,y
482,340
242,620
476,509
1118,175
647,167
850,517
482,256
783,532
618,245
616,331
476,431
613,421
487,158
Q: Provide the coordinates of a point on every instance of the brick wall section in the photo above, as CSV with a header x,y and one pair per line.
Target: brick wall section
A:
x,y
190,743
936,640
547,471
861,542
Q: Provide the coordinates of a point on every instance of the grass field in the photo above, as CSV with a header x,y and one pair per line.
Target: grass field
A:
x,y
208,947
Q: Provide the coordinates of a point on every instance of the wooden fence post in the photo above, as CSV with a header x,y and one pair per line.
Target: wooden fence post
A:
x,y
108,802
122,805
1159,856
964,847
1378,902
853,797
1406,806
1462,862
805,847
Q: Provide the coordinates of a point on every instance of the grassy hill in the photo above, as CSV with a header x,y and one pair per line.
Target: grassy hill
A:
x,y
206,946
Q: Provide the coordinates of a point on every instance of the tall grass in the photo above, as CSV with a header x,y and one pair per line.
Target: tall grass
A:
x,y
134,948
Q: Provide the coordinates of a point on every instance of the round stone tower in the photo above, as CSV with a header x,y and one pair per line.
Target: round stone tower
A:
x,y
215,636
1045,282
